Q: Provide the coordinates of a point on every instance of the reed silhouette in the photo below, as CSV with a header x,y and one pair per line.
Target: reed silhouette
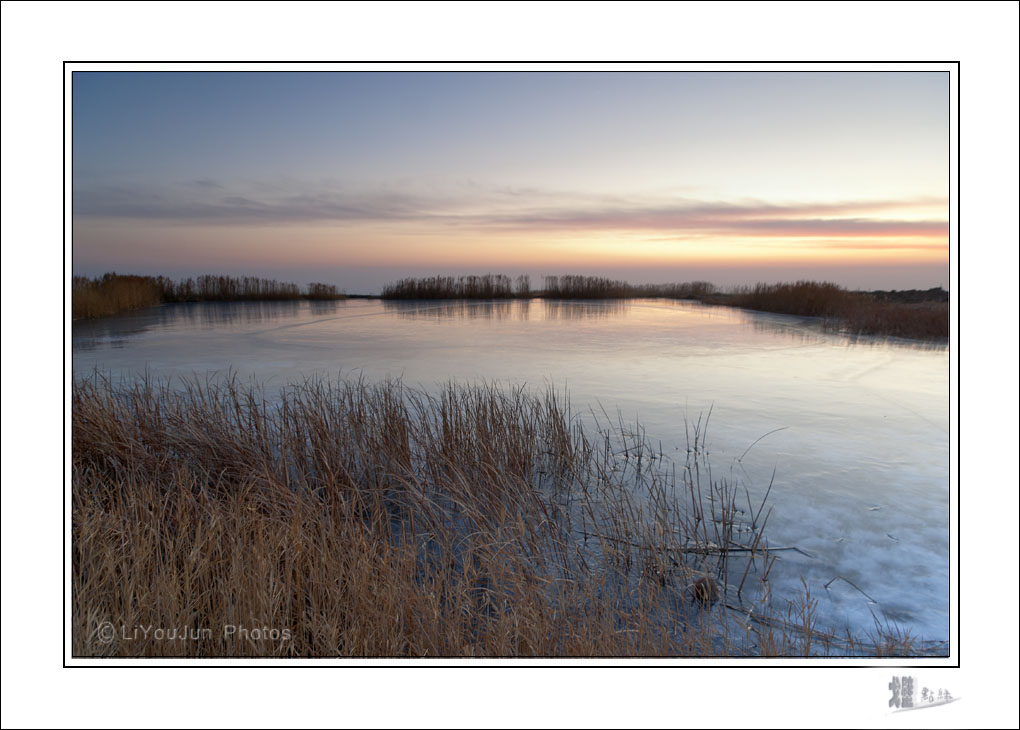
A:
x,y
112,292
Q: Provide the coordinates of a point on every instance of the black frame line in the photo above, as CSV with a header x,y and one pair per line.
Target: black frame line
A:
x,y
458,662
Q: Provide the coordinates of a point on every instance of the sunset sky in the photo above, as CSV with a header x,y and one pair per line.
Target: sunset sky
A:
x,y
357,178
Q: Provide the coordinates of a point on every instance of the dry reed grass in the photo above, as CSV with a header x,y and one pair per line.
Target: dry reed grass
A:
x,y
566,286
860,313
111,293
922,316
355,520
484,286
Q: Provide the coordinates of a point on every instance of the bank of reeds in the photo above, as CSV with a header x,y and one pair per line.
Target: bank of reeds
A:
x,y
348,519
804,298
567,286
484,286
319,291
924,316
573,286
112,293
700,290
913,314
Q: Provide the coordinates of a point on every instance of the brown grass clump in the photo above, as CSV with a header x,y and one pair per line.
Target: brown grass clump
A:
x,y
485,286
805,298
859,313
915,320
705,590
354,520
110,294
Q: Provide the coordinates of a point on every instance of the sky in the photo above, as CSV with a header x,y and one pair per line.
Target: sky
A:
x,y
360,178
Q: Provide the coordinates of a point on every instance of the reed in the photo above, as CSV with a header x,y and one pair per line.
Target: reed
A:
x,y
112,293
350,519
215,288
805,298
567,286
319,291
485,286
572,286
922,320
679,290
917,315
911,314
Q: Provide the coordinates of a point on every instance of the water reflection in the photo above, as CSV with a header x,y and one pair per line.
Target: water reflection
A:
x,y
217,314
498,309
108,331
804,330
558,309
812,330
508,309
116,331
900,342
324,307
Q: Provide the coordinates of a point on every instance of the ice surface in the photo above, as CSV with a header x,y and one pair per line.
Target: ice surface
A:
x,y
859,427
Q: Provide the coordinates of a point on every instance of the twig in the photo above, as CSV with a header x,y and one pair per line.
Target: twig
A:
x,y
759,439
772,549
706,550
754,522
839,577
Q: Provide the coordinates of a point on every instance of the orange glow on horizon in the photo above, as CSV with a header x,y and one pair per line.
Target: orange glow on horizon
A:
x,y
276,247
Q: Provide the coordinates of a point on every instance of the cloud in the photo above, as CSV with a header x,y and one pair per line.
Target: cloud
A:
x,y
847,243
747,218
204,183
145,204
472,206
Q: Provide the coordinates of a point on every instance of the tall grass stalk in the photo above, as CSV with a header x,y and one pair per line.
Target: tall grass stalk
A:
x,y
374,520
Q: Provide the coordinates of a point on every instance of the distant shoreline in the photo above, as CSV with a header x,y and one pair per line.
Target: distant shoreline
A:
x,y
914,313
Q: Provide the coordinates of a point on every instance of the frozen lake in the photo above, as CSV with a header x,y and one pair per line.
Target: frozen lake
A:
x,y
857,430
